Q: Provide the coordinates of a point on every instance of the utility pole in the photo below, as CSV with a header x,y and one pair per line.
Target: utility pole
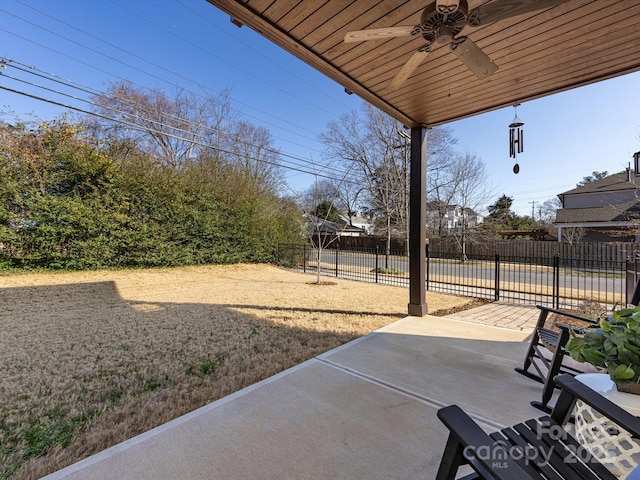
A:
x,y
533,206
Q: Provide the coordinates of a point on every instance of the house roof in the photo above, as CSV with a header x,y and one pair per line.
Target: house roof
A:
x,y
624,212
562,46
612,183
354,219
325,226
436,205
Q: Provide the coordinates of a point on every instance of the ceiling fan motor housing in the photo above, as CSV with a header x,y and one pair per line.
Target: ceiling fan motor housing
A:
x,y
441,28
447,6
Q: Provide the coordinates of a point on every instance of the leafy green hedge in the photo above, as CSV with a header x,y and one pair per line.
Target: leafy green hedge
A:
x,y
65,204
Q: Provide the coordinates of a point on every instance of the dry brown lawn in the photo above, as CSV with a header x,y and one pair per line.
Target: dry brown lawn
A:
x,y
90,359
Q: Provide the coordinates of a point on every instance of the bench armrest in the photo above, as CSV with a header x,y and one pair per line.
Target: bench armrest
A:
x,y
573,389
579,330
567,314
474,440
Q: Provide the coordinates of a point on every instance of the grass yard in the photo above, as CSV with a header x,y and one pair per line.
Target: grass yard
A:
x,y
89,359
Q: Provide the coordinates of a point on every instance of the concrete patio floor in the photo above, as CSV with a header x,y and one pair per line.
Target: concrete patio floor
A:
x,y
366,410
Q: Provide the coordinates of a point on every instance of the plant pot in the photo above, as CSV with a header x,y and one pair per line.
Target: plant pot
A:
x,y
629,388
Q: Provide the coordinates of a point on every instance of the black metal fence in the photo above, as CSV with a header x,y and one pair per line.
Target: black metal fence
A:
x,y
557,281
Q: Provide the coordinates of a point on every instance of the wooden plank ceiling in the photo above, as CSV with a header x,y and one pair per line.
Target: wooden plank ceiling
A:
x,y
573,43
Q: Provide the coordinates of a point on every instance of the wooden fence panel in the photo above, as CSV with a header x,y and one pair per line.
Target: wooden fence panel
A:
x,y
600,251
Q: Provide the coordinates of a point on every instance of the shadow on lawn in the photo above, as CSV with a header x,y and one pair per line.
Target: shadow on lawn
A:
x,y
331,311
84,369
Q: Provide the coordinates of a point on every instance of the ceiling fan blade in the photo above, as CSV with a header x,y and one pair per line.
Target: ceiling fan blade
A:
x,y
408,68
378,33
475,59
501,9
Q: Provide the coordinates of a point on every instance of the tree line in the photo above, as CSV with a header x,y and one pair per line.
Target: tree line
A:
x,y
374,149
155,180
149,181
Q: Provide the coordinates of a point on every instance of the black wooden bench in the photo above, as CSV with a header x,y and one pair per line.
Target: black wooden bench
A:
x,y
534,449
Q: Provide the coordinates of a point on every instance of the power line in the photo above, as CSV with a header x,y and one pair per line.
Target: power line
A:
x,y
165,69
70,84
199,47
258,52
142,71
137,127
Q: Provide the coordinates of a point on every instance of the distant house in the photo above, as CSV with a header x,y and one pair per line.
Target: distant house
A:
x,y
604,210
327,232
357,221
445,218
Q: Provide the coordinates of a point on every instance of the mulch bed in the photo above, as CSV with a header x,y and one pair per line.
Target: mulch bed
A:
x,y
477,302
552,319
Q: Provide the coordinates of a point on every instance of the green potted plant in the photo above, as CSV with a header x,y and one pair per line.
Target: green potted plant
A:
x,y
614,346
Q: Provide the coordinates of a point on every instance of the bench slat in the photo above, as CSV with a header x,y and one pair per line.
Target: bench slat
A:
x,y
598,468
535,449
535,467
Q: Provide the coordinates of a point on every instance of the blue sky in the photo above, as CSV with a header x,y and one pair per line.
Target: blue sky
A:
x,y
167,44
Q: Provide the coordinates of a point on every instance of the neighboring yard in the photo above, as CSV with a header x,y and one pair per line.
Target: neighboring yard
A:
x,y
89,359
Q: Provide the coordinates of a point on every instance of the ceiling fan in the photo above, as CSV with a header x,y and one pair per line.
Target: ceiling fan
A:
x,y
442,21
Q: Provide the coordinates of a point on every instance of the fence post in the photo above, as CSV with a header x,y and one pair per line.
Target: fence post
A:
x,y
304,257
556,281
632,274
376,269
636,269
337,250
427,268
496,289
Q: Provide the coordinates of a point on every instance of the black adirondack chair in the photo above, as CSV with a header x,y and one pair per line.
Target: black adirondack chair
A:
x,y
534,449
545,355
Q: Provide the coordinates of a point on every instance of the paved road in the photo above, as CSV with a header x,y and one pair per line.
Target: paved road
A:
x,y
481,274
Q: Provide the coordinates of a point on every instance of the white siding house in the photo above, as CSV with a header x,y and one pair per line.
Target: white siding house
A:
x,y
451,218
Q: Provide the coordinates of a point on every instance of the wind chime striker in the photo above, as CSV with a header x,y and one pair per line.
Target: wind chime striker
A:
x,y
516,138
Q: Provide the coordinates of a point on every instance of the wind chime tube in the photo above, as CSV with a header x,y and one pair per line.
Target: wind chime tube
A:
x,y
511,149
516,141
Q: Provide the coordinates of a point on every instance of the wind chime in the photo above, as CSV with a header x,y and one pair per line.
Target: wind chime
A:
x,y
516,138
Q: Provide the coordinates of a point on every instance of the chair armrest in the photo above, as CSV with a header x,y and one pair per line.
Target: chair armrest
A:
x,y
579,330
474,439
567,314
576,389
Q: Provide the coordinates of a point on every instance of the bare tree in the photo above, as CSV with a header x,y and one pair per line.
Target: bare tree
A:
x,y
440,195
366,141
348,194
471,191
320,231
371,140
441,174
171,129
547,210
320,191
249,149
573,235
